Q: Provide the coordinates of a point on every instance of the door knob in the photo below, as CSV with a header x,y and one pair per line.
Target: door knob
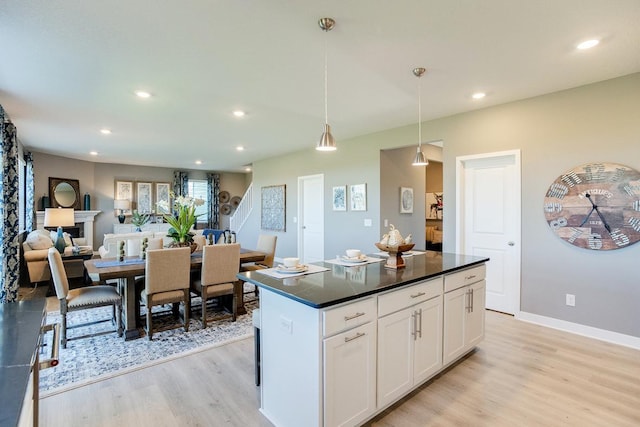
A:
x,y
511,243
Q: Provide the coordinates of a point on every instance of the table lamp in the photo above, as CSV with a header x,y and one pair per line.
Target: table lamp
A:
x,y
123,205
59,217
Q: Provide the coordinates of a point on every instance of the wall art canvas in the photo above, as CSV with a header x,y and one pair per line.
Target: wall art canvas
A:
x,y
144,200
358,193
273,205
340,198
123,191
406,200
434,205
163,198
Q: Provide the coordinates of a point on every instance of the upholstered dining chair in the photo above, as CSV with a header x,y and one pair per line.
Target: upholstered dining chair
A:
x,y
166,281
81,298
220,264
266,244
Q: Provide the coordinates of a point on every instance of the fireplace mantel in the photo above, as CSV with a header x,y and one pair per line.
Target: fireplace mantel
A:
x,y
81,217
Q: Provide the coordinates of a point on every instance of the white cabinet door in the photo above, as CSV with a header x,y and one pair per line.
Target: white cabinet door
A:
x,y
474,330
427,358
455,303
395,347
350,376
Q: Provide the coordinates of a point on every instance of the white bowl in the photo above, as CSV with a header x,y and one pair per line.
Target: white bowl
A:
x,y
353,253
290,262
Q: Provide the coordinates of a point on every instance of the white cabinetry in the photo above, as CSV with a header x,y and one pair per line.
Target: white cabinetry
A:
x,y
464,302
350,363
409,339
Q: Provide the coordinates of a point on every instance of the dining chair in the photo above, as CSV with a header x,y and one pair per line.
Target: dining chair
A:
x,y
81,298
266,244
167,282
220,265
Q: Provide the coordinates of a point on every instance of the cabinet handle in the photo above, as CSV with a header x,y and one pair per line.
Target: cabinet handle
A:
x,y
419,294
346,318
419,322
358,335
473,276
471,299
467,301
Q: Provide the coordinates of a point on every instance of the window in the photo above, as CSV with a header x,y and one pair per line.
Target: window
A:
x,y
198,190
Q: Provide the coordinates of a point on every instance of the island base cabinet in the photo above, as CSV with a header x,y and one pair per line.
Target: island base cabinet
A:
x,y
463,320
350,376
409,349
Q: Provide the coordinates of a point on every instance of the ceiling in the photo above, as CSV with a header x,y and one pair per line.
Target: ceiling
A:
x,y
70,68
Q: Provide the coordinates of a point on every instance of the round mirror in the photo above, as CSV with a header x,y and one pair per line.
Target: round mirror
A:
x,y
64,194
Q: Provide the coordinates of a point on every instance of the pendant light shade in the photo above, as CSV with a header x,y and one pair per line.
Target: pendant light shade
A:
x,y
327,141
419,160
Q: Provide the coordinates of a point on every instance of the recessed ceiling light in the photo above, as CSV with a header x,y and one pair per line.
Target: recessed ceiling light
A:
x,y
240,148
588,44
105,131
478,95
239,113
247,169
198,162
93,153
142,94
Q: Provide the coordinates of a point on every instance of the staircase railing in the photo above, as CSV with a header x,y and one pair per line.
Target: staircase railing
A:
x,y
243,210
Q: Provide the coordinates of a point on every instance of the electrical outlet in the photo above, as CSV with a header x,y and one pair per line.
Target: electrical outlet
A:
x,y
368,222
571,300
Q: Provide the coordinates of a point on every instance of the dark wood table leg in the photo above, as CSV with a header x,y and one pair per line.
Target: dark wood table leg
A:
x,y
131,331
238,289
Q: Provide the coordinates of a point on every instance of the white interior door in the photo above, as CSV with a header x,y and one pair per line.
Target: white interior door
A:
x,y
488,220
311,218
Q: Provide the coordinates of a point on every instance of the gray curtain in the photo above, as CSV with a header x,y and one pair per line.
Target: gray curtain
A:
x,y
30,211
213,188
180,183
9,223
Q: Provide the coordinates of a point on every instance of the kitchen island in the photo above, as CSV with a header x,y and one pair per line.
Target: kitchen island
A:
x,y
340,346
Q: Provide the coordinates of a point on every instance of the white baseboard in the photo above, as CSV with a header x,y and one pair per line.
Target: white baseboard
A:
x,y
578,329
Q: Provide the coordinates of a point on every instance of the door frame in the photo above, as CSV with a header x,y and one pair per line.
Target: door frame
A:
x,y
460,197
300,218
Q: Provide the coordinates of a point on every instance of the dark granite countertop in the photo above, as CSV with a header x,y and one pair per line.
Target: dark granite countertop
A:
x,y
341,284
20,324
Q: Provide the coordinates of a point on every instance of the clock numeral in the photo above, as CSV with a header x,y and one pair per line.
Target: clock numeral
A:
x,y
557,190
594,172
553,207
635,223
632,190
618,174
571,179
595,241
557,223
619,238
576,233
636,205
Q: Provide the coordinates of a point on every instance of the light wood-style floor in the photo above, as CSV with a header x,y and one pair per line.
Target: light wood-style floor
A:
x,y
520,375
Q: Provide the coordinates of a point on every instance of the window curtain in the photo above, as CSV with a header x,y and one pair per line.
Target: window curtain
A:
x,y
9,224
30,211
180,183
213,188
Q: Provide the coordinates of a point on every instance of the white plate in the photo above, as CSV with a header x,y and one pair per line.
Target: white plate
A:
x,y
291,270
357,260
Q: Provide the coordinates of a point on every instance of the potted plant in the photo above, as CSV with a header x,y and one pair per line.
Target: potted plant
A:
x,y
139,219
183,218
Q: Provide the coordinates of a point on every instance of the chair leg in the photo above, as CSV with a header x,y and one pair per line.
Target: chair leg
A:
x,y
120,328
187,309
234,307
204,307
63,338
149,330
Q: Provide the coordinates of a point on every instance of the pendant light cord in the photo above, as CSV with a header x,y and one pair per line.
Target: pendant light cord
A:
x,y
326,110
419,113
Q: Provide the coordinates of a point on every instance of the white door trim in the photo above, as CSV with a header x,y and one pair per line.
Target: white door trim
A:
x,y
460,185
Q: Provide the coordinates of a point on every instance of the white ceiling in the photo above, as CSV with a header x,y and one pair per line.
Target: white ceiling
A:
x,y
69,68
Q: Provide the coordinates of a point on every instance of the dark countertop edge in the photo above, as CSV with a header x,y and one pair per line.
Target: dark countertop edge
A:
x,y
363,294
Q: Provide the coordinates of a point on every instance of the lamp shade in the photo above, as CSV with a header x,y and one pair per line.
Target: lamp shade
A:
x,y
59,217
121,204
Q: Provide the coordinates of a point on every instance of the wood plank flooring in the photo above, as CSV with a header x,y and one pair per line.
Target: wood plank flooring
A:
x,y
520,375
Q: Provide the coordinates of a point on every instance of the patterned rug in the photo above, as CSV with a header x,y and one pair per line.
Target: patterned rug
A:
x,y
91,359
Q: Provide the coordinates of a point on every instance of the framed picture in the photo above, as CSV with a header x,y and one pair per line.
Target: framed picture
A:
x,y
433,205
273,205
406,200
358,193
340,198
143,198
123,191
163,198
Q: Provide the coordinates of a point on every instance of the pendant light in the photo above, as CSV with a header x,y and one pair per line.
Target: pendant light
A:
x,y
419,160
327,142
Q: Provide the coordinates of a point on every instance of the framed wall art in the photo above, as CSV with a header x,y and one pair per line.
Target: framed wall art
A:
x,y
406,200
123,191
144,198
273,205
340,198
358,194
434,205
163,198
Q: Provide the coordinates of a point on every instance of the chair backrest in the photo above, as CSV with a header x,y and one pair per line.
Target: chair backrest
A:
x,y
167,269
155,243
58,273
220,264
133,247
267,244
199,240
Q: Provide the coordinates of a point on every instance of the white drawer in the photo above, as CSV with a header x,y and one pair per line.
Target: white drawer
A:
x,y
348,316
464,277
406,297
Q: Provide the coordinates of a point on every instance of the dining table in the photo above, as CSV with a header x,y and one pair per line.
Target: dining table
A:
x,y
131,267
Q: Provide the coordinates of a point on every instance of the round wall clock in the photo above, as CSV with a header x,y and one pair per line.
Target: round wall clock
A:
x,y
595,206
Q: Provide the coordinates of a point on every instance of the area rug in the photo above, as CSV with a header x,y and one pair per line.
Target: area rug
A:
x,y
90,359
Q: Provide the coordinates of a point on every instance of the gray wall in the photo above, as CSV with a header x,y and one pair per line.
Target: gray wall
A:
x,y
598,122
